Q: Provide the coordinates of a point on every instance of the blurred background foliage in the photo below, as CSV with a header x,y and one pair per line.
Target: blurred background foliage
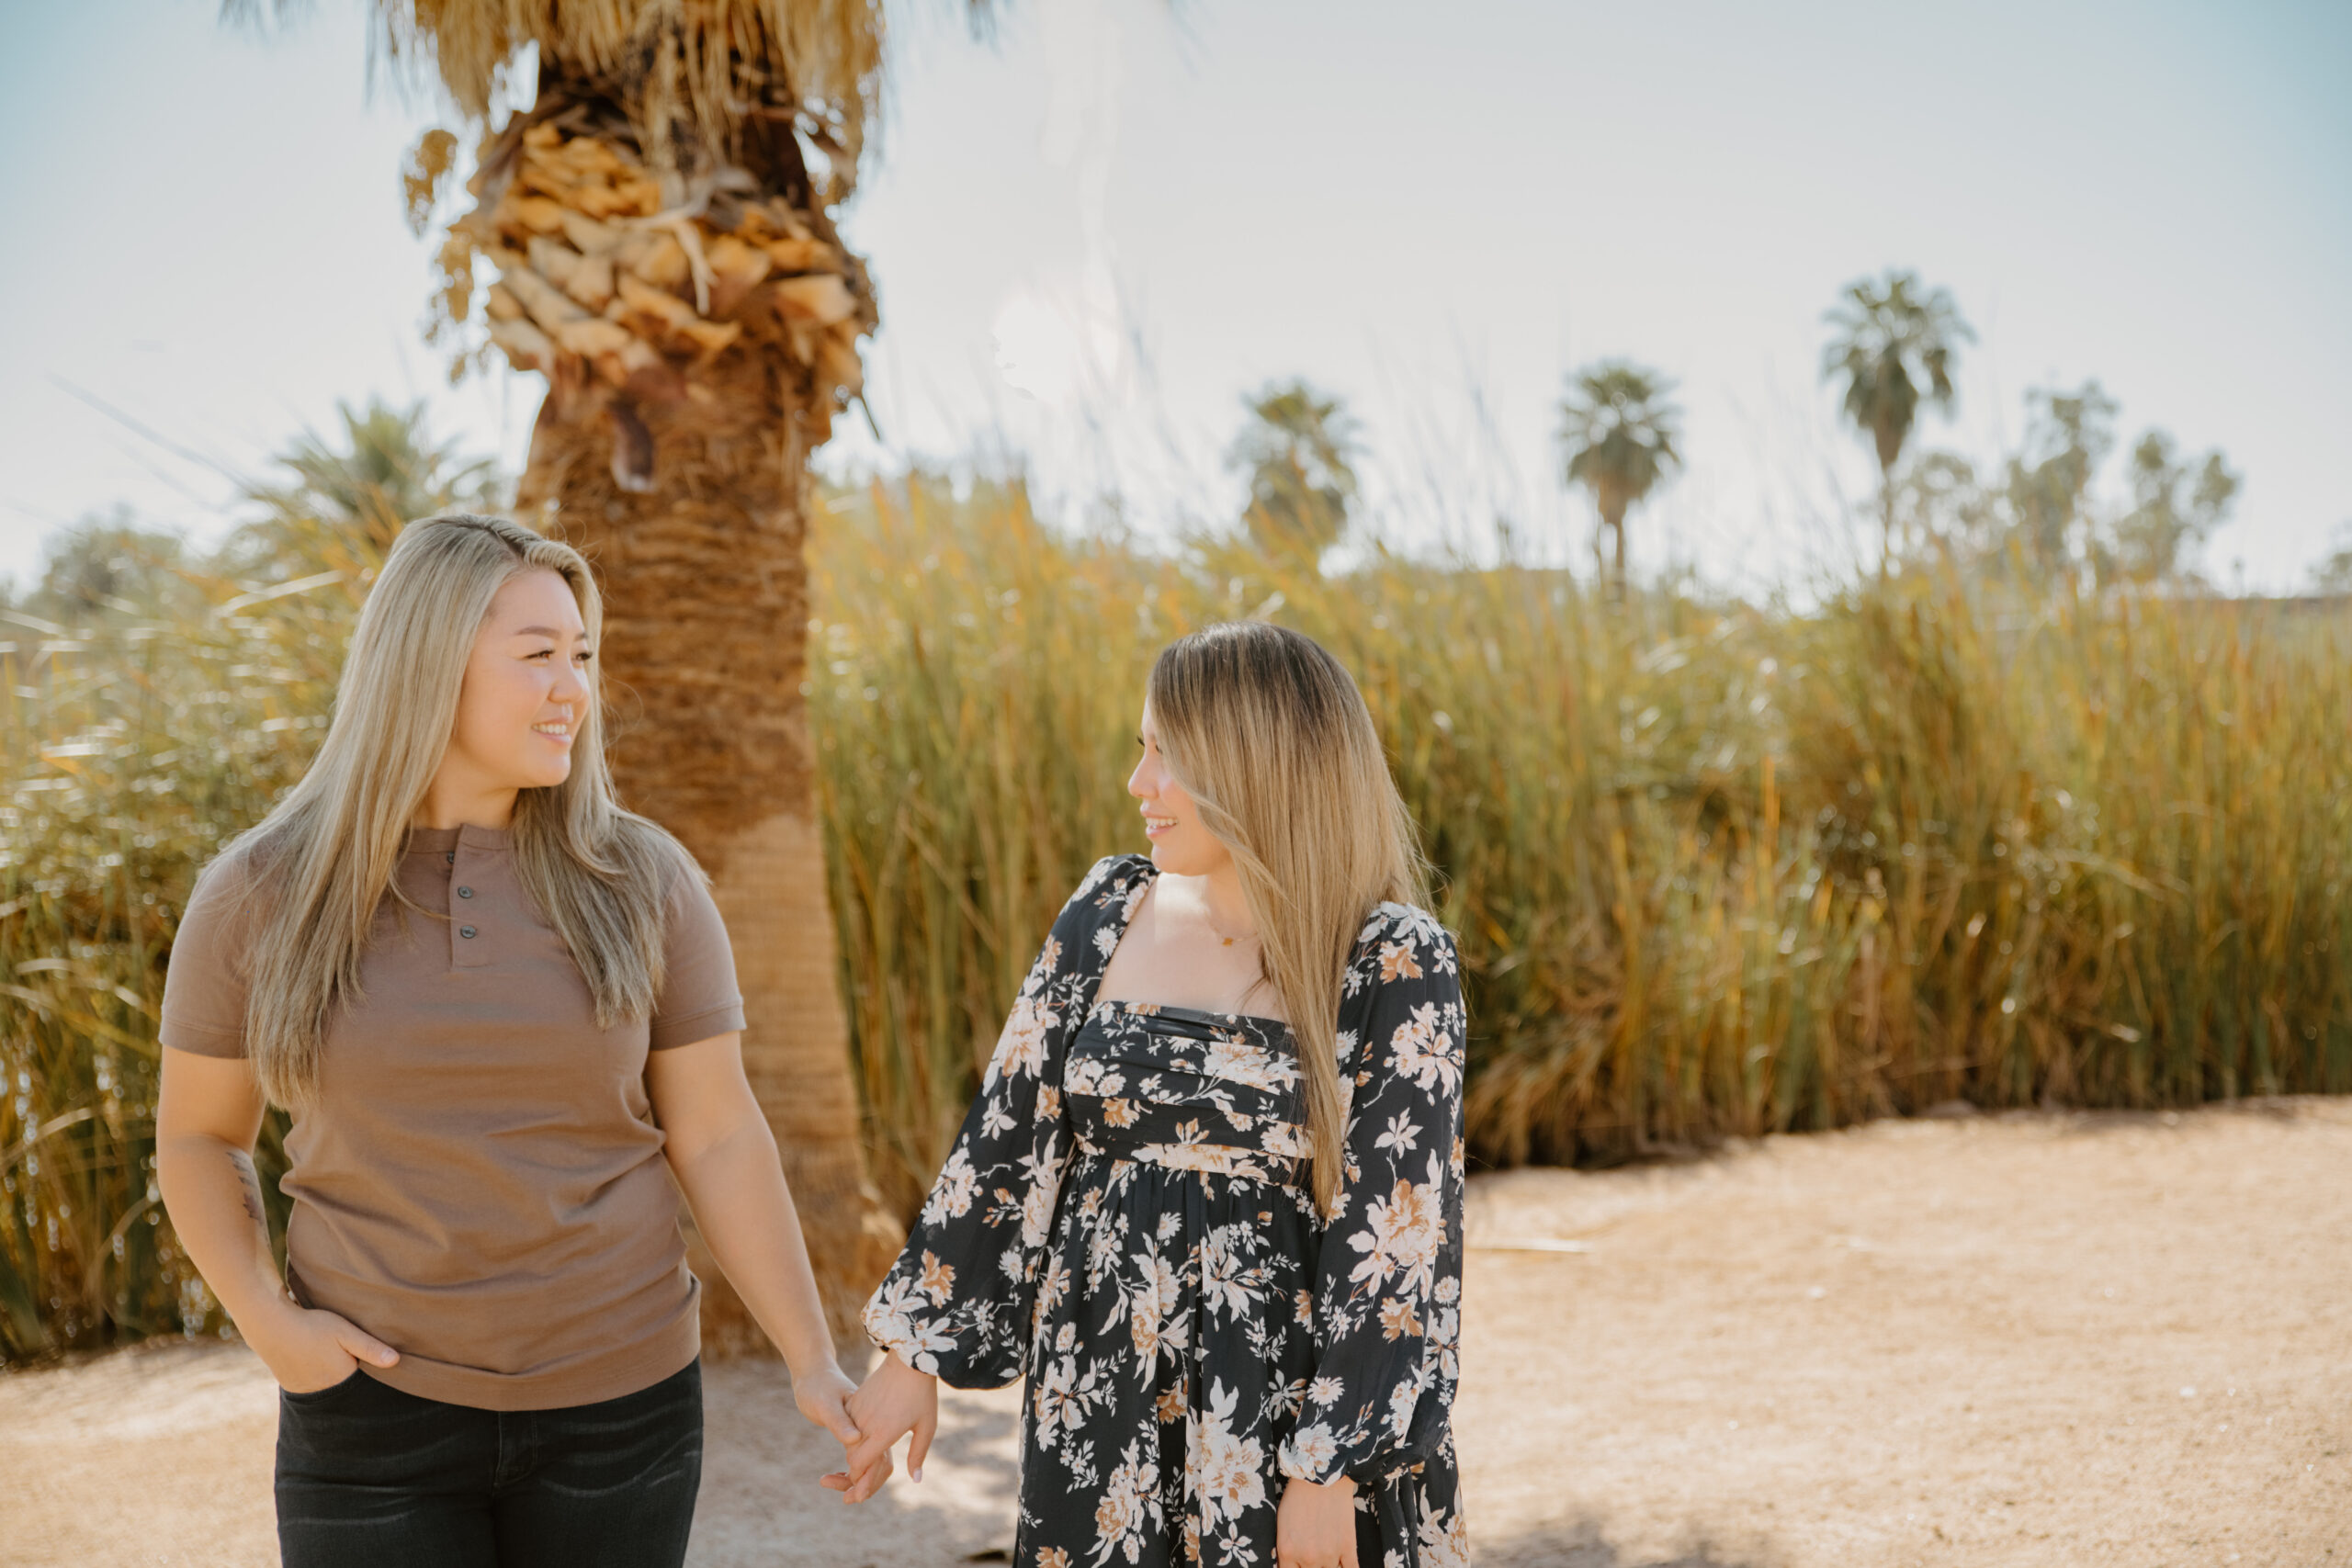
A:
x,y
153,703
2021,814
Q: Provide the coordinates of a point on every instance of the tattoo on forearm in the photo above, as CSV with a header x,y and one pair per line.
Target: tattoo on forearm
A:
x,y
249,1188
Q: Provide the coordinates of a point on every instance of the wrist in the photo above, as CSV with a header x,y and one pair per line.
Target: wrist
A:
x,y
815,1367
265,1319
801,1338
1298,1468
900,1365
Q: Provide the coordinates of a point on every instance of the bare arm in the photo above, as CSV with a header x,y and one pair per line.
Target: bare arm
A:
x,y
725,1159
208,1117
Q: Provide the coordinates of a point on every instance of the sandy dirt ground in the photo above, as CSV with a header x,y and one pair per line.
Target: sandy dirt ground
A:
x,y
2042,1339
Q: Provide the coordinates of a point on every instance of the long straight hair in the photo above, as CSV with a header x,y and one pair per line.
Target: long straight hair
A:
x,y
324,859
1269,734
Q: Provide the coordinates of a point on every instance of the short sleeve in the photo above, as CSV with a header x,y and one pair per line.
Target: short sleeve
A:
x,y
206,974
699,998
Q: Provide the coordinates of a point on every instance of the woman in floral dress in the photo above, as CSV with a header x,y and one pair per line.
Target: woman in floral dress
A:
x,y
1208,1201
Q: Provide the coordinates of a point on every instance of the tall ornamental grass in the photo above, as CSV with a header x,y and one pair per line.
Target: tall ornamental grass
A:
x,y
130,751
1717,868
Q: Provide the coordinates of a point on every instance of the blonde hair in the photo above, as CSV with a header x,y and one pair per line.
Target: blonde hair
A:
x,y
325,857
1269,734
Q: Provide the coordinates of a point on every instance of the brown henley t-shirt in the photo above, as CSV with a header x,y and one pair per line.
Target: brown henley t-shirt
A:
x,y
480,1184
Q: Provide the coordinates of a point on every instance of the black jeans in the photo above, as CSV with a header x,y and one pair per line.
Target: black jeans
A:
x,y
368,1476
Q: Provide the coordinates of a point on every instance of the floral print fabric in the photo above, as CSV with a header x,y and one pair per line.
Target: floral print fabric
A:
x,y
1126,1220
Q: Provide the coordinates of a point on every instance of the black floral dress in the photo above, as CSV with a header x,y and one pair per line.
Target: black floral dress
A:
x,y
1125,1220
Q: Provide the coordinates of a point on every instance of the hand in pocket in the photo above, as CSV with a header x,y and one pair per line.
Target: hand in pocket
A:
x,y
309,1351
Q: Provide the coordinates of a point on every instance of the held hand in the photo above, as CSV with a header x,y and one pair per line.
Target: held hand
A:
x,y
307,1350
823,1396
1315,1526
894,1401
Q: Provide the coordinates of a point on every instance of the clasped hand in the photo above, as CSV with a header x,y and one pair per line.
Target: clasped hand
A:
x,y
1315,1526
894,1399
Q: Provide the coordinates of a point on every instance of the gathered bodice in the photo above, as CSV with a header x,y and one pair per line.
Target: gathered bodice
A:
x,y
1188,1089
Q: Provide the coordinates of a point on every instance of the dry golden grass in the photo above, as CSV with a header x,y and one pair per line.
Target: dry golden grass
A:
x,y
1716,869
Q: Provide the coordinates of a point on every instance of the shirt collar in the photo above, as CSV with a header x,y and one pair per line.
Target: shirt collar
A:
x,y
440,841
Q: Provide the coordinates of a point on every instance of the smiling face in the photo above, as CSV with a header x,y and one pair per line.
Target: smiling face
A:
x,y
526,689
1180,845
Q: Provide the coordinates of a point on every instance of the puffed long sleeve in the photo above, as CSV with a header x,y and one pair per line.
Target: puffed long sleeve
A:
x,y
961,1298
1388,1281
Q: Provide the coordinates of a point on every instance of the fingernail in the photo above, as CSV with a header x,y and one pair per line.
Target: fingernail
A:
x,y
854,1435
915,1471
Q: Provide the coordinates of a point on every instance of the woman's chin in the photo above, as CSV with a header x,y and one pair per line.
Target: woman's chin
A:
x,y
1172,860
548,774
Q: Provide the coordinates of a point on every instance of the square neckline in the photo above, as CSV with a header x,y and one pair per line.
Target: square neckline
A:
x,y
1148,1009
1151,874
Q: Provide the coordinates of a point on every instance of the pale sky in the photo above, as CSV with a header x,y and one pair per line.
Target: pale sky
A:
x,y
1092,237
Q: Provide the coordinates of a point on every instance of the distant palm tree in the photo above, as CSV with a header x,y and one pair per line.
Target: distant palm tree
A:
x,y
2332,573
658,222
1299,450
2176,503
1617,436
108,568
2067,437
1891,337
357,495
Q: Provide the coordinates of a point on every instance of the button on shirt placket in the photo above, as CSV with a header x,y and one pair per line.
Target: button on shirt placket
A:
x,y
468,939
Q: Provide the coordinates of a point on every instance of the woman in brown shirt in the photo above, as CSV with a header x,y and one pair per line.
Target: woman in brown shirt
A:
x,y
503,1014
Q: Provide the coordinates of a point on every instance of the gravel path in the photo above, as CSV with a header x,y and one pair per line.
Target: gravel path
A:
x,y
2043,1339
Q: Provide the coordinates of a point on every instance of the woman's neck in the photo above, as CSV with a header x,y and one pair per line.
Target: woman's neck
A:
x,y
452,803
1228,908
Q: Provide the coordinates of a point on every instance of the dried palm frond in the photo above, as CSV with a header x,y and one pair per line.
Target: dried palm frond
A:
x,y
691,74
661,202
626,286
696,78
429,162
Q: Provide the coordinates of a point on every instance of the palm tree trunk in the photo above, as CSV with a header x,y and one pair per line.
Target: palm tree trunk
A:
x,y
1886,515
1612,514
705,645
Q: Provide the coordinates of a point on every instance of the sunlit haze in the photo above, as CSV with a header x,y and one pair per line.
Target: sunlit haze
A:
x,y
1091,236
